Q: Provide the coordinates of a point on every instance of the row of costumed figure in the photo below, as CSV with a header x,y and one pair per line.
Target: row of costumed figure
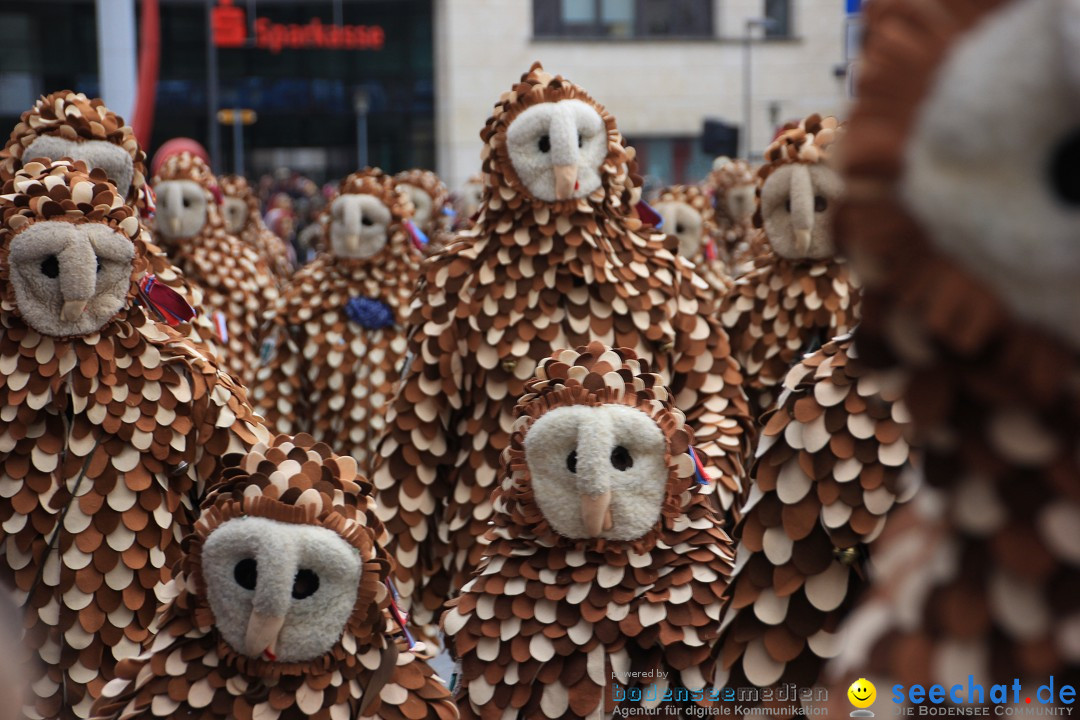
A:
x,y
585,445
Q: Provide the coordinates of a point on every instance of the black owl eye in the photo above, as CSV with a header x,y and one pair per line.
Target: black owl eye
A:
x,y
571,461
246,573
366,221
187,203
787,204
620,458
1063,175
305,584
99,264
580,142
820,203
50,267
679,229
544,144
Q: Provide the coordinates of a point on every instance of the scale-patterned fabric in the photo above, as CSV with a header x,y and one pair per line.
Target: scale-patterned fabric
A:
x,y
530,278
107,441
238,285
187,669
333,349
77,118
833,462
983,576
274,251
554,627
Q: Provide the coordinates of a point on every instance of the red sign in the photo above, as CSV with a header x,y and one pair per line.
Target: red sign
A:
x,y
230,31
228,25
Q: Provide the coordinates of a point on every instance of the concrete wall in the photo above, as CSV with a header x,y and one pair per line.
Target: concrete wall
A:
x,y
653,87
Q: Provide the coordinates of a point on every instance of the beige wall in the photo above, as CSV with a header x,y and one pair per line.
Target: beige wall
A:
x,y
652,87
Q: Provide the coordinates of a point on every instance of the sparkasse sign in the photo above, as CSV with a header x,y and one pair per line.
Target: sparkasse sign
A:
x,y
229,25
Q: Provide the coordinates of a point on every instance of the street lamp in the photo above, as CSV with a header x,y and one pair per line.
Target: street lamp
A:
x,y
748,41
361,104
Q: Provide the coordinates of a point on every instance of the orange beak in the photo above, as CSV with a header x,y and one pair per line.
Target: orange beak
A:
x,y
262,635
565,181
596,513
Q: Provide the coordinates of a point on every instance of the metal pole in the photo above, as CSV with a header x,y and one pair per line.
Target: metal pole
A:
x,y
214,135
251,10
747,119
361,140
116,54
238,143
339,13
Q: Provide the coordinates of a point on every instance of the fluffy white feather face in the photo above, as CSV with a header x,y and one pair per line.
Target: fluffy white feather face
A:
x,y
280,591
993,162
686,224
235,211
557,149
598,471
422,204
70,279
359,226
181,208
471,197
113,159
797,202
739,202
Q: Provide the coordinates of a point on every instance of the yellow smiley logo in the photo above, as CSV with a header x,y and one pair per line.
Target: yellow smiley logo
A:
x,y
862,693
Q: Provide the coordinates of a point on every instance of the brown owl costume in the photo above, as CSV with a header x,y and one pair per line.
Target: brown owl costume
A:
x,y
334,347
238,285
689,216
733,186
113,425
69,124
560,614
430,208
534,276
286,552
833,462
968,250
275,253
467,202
800,295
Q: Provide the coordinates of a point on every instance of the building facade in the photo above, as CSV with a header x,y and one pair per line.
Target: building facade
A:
x,y
428,72
660,66
299,64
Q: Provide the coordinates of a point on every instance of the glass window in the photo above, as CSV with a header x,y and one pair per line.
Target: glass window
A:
x,y
622,18
578,12
779,11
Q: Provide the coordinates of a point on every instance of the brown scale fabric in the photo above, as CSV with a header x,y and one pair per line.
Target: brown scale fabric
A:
x,y
783,308
547,620
994,398
833,460
533,277
134,410
188,670
738,242
715,271
74,116
437,228
236,281
323,373
273,250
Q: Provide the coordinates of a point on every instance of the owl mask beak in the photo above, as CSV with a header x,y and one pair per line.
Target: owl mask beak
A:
x,y
72,309
596,513
802,208
262,635
565,181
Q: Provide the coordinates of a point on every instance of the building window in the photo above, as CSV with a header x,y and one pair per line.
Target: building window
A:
x,y
779,12
622,18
